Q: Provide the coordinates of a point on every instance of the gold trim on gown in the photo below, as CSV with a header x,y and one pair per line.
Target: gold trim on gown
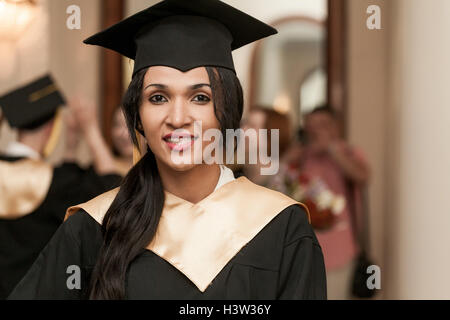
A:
x,y
200,239
24,185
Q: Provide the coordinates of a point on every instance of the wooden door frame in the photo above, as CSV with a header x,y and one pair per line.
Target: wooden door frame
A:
x,y
111,70
337,90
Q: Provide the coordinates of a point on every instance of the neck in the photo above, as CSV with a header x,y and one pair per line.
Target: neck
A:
x,y
192,185
124,160
32,140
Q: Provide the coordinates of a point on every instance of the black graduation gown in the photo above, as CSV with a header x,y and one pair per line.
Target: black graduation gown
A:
x,y
21,240
283,261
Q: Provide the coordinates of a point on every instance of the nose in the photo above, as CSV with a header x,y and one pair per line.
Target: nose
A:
x,y
178,116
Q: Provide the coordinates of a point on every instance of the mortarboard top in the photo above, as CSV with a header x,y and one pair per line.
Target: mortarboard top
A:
x,y
32,105
183,34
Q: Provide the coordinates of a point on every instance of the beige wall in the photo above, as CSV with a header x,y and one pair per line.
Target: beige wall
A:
x,y
24,59
49,46
367,72
75,66
398,110
418,150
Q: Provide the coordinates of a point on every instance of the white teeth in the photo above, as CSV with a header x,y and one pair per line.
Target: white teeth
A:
x,y
180,140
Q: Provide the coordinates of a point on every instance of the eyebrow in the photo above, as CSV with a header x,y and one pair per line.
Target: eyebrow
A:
x,y
163,86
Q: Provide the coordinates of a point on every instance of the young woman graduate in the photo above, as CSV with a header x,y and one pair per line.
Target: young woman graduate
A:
x,y
181,231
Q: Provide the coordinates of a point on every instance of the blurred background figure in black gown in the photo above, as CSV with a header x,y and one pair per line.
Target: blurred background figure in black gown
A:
x,y
34,195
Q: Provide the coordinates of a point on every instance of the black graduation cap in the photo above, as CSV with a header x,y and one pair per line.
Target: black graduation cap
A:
x,y
183,34
32,105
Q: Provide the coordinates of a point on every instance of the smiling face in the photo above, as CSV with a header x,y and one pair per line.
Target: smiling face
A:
x,y
172,101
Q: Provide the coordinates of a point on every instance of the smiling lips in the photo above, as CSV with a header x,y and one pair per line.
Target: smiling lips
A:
x,y
179,141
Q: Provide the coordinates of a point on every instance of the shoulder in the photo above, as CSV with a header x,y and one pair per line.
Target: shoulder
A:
x,y
81,225
297,226
288,226
268,200
250,191
82,232
96,208
245,185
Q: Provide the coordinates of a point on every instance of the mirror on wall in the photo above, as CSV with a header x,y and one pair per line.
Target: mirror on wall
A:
x,y
288,71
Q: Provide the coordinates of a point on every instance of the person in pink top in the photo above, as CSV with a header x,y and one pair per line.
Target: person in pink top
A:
x,y
345,171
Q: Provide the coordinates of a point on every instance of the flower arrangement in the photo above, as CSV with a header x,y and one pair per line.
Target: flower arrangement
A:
x,y
324,205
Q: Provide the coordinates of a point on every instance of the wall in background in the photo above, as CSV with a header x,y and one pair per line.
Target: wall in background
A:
x,y
418,150
24,59
398,111
366,110
75,65
27,57
49,46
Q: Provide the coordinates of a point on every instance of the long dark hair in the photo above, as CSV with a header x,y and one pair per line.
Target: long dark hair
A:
x,y
131,222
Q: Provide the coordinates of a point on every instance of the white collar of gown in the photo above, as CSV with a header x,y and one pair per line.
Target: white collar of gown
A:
x,y
226,175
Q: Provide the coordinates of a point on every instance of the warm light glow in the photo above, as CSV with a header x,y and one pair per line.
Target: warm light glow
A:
x,y
282,103
15,17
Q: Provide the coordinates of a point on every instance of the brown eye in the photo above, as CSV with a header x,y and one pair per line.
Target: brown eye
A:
x,y
201,98
158,99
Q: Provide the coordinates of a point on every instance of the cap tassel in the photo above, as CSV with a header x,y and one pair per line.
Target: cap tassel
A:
x,y
55,134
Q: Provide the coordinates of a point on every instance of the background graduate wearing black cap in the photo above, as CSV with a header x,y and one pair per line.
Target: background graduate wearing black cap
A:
x,y
182,231
33,194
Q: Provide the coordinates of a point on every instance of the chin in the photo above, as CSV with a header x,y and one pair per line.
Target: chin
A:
x,y
167,162
179,167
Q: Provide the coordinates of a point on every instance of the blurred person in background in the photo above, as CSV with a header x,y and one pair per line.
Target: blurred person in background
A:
x,y
269,119
327,174
118,158
122,144
34,195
